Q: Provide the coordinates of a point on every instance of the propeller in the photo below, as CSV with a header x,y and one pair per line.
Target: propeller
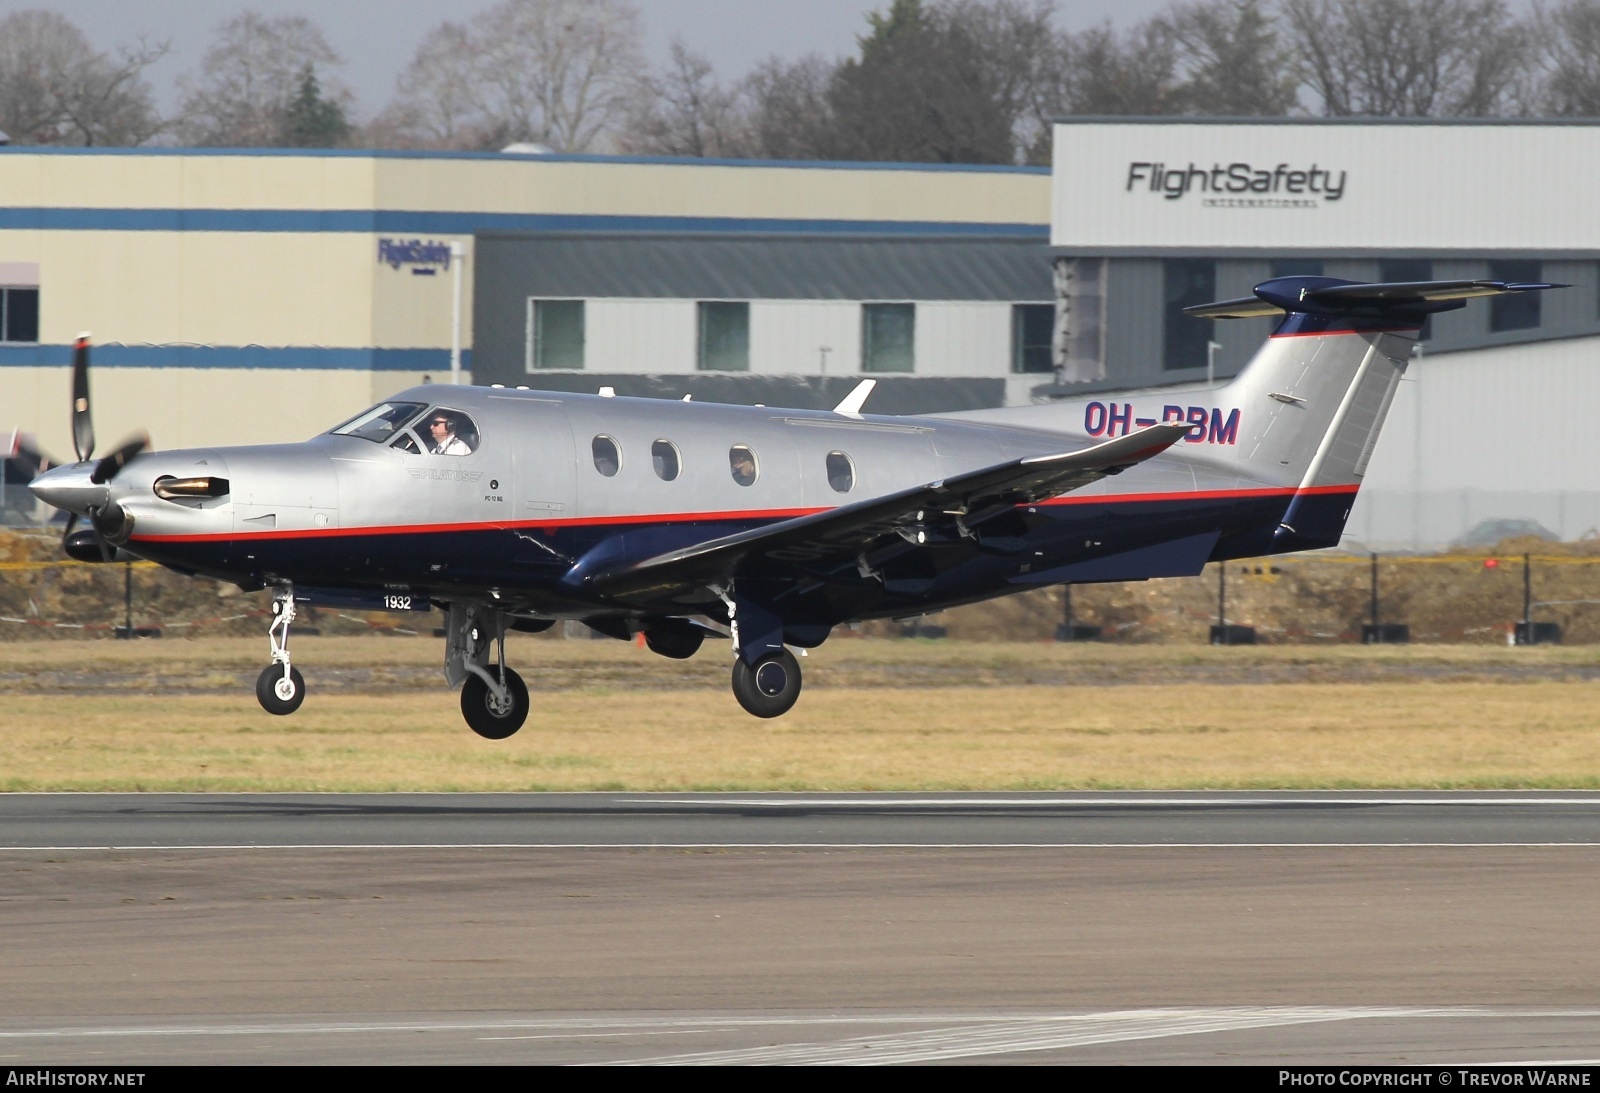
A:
x,y
108,522
82,422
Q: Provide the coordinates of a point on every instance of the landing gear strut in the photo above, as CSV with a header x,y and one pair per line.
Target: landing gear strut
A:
x,y
766,676
494,700
280,688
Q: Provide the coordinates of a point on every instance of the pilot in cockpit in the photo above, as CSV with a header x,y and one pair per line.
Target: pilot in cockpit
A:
x,y
442,435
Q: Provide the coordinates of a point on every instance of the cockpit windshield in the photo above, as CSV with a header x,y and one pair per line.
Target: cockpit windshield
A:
x,y
380,423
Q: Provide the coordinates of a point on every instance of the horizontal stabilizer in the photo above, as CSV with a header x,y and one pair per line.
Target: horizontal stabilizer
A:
x,y
1331,296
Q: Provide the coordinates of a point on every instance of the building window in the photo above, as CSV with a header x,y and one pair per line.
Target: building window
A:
x,y
1296,267
1405,271
1185,339
888,337
1519,310
555,334
724,337
1032,327
19,315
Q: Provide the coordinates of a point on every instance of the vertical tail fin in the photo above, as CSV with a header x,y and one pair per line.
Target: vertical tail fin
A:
x,y
1313,399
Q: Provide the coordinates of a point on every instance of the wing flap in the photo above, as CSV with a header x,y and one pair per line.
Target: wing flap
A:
x,y
849,530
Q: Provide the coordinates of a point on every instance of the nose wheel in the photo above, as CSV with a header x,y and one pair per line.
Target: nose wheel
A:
x,y
770,686
280,692
492,716
280,688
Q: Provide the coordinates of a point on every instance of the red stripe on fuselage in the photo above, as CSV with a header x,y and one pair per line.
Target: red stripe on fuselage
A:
x,y
1285,492
1341,333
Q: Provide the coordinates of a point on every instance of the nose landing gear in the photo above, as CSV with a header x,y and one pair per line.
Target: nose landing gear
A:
x,y
280,688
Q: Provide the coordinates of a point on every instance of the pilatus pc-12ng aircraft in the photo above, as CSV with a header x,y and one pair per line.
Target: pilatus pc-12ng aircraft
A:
x,y
512,509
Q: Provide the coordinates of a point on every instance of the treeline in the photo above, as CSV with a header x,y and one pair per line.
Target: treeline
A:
x,y
943,81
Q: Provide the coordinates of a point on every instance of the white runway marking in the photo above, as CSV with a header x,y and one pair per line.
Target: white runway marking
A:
x,y
1008,1037
1287,845
1097,802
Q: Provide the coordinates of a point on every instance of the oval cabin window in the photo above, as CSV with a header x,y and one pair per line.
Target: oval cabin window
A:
x,y
664,455
841,472
607,456
742,465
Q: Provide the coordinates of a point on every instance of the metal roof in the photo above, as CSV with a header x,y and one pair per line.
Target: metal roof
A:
x,y
769,268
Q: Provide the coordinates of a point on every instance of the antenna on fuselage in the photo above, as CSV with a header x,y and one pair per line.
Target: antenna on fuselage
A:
x,y
856,399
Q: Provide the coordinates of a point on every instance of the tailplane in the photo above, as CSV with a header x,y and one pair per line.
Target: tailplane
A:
x,y
1304,415
1314,398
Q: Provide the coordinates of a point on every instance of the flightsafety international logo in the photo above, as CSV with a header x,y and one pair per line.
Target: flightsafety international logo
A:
x,y
1240,185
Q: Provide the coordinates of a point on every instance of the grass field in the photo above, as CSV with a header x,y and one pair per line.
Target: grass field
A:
x,y
176,715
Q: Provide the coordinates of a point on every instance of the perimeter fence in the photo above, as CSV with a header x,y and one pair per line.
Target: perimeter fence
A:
x,y
1518,593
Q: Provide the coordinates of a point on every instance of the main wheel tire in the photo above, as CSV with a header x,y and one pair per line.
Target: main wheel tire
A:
x,y
487,717
278,695
770,687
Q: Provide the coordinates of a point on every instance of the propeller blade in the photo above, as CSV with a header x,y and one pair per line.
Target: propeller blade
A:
x,y
72,522
105,470
82,424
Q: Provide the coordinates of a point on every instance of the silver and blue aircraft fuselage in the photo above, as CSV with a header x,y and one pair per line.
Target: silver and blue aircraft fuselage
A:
x,y
515,508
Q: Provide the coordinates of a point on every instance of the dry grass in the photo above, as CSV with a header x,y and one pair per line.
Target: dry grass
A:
x,y
876,715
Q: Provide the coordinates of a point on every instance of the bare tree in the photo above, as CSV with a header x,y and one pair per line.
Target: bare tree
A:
x,y
556,72
437,106
57,89
247,80
1569,59
684,111
790,116
1233,62
1134,72
1409,58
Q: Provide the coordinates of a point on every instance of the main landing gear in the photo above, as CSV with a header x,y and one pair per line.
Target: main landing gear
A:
x,y
494,700
766,676
280,688
770,686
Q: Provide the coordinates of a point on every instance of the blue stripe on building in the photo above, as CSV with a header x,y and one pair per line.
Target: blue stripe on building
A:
x,y
238,356
370,221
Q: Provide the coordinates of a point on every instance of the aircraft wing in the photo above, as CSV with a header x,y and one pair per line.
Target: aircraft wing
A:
x,y
849,531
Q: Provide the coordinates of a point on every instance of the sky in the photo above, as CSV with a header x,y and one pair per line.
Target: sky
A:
x,y
377,38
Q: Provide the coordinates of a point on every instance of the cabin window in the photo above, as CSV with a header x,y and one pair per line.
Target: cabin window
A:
x,y
742,464
841,472
555,334
724,337
888,337
607,456
664,457
447,432
381,423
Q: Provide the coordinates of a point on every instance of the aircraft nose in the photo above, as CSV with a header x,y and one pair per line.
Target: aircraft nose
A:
x,y
69,488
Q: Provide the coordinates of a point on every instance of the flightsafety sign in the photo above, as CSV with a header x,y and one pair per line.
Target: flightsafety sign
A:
x,y
1304,186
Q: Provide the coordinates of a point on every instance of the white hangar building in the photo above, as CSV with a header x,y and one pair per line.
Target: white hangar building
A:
x,y
1494,418
246,296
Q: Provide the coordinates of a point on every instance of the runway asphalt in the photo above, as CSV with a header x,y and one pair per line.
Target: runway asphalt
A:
x,y
1221,818
1274,928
